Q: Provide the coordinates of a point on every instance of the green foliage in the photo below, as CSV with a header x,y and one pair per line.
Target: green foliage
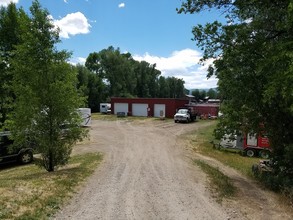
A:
x,y
202,94
196,94
280,179
253,61
9,36
115,68
201,143
92,87
212,94
125,77
45,89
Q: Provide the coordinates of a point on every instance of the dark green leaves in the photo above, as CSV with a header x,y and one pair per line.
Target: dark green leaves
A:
x,y
253,61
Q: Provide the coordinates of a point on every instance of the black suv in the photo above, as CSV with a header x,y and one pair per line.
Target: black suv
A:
x,y
9,153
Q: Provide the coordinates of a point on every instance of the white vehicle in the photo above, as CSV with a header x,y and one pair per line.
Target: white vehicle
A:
x,y
182,115
229,141
105,108
250,144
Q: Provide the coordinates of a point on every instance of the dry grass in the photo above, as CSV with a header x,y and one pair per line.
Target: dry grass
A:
x,y
28,192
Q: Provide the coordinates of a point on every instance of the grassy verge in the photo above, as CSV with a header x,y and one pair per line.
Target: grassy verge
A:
x,y
110,117
28,192
220,184
200,141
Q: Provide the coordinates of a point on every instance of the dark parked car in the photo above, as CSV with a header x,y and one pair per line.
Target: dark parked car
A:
x,y
10,153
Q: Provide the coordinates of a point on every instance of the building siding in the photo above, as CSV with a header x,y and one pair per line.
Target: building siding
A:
x,y
171,104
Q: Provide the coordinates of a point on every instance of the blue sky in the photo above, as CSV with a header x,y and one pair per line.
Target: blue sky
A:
x,y
150,30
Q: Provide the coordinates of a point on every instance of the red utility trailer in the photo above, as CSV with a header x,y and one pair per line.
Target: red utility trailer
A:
x,y
250,144
205,110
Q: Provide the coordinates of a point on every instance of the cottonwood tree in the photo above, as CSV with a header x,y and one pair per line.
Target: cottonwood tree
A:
x,y
253,53
9,37
92,87
196,94
126,77
115,69
45,88
147,79
176,87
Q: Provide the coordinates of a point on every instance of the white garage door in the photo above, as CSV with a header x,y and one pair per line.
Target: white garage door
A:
x,y
140,109
160,108
120,107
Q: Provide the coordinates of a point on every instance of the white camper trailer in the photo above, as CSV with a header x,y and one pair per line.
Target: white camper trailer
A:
x,y
105,108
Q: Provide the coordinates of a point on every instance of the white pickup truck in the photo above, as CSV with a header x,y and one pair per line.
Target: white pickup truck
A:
x,y
184,115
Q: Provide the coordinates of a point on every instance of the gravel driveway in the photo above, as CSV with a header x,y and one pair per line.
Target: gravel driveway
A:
x,y
145,175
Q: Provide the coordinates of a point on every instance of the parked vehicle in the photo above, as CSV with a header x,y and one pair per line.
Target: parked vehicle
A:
x,y
251,144
105,108
185,115
10,153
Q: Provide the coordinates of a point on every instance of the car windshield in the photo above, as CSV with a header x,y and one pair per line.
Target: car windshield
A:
x,y
182,111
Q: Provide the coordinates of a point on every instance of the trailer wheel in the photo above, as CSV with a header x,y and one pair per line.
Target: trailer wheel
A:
x,y
265,154
250,153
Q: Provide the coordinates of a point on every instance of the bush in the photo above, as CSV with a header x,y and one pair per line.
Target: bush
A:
x,y
279,181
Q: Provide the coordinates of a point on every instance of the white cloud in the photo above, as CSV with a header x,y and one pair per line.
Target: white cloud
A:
x,y
7,2
121,5
78,60
184,65
66,1
81,60
73,24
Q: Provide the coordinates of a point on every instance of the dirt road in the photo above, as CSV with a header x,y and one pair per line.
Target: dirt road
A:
x,y
146,174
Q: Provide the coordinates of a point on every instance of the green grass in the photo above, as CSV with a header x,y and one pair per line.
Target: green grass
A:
x,y
200,141
28,192
110,117
221,185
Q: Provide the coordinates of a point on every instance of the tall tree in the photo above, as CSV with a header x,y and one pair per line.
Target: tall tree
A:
x,y
127,77
202,94
253,55
91,86
164,89
212,94
83,79
114,68
45,88
9,37
196,94
147,79
176,87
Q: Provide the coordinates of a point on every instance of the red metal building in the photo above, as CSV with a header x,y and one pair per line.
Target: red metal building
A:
x,y
152,107
206,109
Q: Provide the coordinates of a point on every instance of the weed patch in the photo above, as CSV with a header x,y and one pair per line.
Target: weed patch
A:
x,y
221,185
